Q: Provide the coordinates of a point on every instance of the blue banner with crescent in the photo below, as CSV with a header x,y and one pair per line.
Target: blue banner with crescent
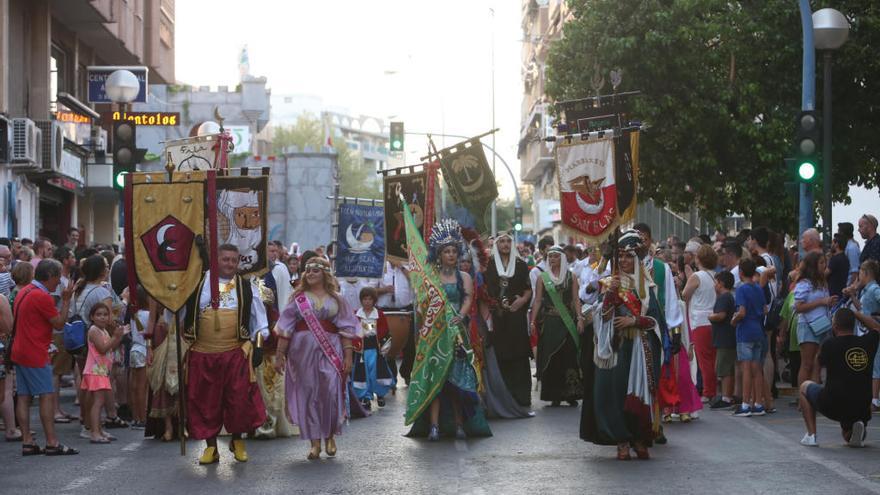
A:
x,y
361,239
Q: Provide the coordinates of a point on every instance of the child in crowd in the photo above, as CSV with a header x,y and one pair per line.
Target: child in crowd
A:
x,y
724,338
751,344
96,374
371,373
138,362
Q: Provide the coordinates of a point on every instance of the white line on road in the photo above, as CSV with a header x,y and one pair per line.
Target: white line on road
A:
x,y
792,446
461,446
78,483
112,463
133,446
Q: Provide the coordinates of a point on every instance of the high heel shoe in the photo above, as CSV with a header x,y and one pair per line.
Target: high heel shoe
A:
x,y
434,434
315,452
330,444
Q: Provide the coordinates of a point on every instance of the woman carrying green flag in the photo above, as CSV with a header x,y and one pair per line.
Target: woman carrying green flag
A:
x,y
556,316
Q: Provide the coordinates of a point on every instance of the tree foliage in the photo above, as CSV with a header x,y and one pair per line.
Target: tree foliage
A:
x,y
355,179
721,87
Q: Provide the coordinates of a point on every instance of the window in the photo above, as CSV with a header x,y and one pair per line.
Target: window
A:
x,y
58,76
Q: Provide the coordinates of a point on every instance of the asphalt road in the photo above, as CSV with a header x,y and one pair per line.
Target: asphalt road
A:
x,y
716,454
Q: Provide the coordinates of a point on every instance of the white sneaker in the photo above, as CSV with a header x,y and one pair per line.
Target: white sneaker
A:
x,y
85,433
809,440
857,436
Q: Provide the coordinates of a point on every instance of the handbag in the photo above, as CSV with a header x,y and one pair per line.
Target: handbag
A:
x,y
821,325
75,329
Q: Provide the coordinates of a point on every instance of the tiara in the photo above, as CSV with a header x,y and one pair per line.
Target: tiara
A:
x,y
445,232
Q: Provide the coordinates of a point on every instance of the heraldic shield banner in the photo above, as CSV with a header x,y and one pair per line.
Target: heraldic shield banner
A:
x,y
587,189
361,238
166,219
413,187
469,178
242,211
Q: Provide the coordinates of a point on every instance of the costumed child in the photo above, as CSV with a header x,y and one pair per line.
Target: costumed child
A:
x,y
104,337
371,374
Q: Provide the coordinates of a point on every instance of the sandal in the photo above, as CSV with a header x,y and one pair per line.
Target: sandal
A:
x,y
116,422
60,449
623,454
62,419
31,449
16,438
100,440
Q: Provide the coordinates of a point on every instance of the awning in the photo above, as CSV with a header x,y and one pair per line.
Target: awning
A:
x,y
77,106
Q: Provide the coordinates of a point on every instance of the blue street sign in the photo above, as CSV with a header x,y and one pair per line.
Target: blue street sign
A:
x,y
98,76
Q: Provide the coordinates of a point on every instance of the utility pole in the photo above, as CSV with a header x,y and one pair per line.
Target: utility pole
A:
x,y
808,102
494,212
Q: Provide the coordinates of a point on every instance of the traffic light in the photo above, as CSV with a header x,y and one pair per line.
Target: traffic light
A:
x,y
806,147
396,141
517,219
124,149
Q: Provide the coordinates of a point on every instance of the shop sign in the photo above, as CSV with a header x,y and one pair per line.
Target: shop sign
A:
x,y
98,76
148,118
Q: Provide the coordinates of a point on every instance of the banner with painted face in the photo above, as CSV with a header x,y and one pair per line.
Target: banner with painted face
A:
x,y
242,211
413,188
361,241
587,187
166,220
470,180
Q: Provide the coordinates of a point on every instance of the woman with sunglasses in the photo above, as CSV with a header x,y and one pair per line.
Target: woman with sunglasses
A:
x,y
315,349
620,357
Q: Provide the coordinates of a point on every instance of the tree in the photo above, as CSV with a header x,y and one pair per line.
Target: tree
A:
x,y
355,180
721,84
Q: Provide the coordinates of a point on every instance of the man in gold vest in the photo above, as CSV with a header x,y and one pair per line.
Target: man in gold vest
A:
x,y
221,386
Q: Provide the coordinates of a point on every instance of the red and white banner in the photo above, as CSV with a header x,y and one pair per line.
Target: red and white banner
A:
x,y
588,194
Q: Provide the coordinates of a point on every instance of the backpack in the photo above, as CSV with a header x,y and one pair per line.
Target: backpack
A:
x,y
75,329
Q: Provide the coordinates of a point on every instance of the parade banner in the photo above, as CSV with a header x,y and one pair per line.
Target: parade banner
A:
x,y
470,180
435,349
242,212
361,241
198,152
587,188
413,187
165,221
626,158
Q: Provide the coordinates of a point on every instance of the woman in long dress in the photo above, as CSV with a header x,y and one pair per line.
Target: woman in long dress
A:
x,y
556,317
621,355
315,350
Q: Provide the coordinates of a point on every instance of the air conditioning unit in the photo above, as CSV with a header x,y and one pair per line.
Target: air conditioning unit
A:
x,y
5,139
53,144
26,144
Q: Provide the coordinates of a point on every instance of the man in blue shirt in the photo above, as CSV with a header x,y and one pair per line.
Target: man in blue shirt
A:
x,y
751,345
846,230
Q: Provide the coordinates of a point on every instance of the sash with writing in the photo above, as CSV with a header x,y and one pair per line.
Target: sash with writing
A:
x,y
305,309
563,310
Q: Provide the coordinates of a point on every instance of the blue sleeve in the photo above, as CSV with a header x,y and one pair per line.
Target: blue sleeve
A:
x,y
852,254
740,296
802,291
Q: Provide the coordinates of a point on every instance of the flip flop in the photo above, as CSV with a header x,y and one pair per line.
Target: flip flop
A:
x,y
16,438
100,440
62,419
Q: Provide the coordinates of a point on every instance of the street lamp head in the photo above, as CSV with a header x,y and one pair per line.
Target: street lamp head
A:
x,y
830,29
122,86
208,127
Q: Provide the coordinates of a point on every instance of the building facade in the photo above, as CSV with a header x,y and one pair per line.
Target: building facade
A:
x,y
53,176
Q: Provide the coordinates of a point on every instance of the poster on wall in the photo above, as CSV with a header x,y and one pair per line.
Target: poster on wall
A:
x,y
361,241
413,189
242,210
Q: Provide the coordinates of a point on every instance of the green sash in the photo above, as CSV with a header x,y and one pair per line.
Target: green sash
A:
x,y
660,282
562,309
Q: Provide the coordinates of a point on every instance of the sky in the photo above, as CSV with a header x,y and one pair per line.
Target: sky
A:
x,y
427,63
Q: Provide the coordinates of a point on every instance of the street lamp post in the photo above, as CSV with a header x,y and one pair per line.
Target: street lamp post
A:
x,y
830,32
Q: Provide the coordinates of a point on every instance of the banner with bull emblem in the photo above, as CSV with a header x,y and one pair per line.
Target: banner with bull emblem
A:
x,y
413,187
166,219
242,210
587,187
361,241
470,180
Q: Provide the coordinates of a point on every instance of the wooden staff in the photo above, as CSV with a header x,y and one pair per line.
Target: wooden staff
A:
x,y
181,388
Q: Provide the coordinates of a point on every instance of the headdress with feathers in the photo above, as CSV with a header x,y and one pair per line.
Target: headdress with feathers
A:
x,y
445,233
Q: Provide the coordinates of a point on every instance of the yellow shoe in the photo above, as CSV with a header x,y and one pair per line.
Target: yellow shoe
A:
x,y
236,446
209,456
315,452
331,447
685,418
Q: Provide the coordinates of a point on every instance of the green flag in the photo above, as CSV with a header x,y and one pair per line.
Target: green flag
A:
x,y
435,349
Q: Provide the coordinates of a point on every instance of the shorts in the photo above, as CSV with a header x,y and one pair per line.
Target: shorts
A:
x,y
806,335
750,351
94,383
725,362
34,381
813,394
137,359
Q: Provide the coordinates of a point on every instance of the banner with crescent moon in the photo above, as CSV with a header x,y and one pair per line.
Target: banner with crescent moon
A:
x,y
626,157
242,211
587,187
413,188
361,241
470,180
166,220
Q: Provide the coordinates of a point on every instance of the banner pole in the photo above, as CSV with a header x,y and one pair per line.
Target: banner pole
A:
x,y
181,389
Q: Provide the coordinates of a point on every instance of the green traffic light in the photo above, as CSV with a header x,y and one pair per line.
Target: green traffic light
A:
x,y
396,145
806,171
120,180
517,226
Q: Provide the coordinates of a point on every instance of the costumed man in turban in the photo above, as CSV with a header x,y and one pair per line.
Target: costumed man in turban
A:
x,y
242,211
221,384
509,292
621,355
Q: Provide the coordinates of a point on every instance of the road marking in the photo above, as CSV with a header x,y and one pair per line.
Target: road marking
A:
x,y
112,463
836,467
78,483
133,446
461,446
